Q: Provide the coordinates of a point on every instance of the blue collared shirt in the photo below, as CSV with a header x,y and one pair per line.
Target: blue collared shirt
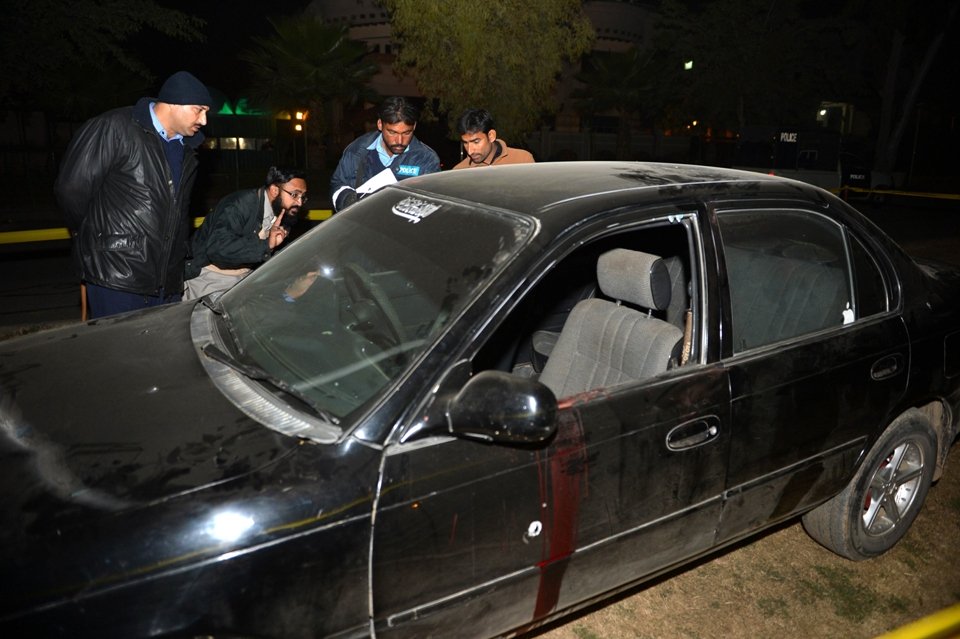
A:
x,y
160,129
385,158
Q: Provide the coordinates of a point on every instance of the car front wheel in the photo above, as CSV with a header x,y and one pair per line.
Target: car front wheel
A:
x,y
877,507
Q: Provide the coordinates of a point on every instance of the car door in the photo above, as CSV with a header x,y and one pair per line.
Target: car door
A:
x,y
817,357
482,538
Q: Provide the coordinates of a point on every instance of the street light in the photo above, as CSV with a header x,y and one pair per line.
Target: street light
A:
x,y
300,127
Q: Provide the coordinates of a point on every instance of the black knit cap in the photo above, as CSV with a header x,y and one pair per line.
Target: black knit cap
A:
x,y
183,88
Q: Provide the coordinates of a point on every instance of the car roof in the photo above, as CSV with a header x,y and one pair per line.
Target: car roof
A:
x,y
560,192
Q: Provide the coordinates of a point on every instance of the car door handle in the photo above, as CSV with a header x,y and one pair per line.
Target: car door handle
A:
x,y
886,367
693,433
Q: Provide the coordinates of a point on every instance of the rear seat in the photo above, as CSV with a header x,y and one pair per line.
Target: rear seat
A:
x,y
776,297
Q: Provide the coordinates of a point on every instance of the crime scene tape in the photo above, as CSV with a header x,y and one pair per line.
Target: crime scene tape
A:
x,y
930,196
940,625
45,235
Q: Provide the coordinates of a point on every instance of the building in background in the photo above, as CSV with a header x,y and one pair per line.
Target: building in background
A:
x,y
619,25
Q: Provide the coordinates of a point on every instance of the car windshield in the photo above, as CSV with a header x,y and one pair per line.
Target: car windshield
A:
x,y
340,313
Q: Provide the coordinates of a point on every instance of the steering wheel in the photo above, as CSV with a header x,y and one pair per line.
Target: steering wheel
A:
x,y
360,286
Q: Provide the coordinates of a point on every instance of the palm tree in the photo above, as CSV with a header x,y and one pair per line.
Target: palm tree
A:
x,y
305,62
619,82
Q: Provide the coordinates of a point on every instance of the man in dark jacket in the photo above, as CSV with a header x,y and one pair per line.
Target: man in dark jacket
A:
x,y
124,186
243,231
392,146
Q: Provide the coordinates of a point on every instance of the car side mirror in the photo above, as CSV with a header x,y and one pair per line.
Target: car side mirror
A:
x,y
499,407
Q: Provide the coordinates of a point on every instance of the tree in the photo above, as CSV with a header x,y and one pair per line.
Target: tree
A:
x,y
307,63
619,82
754,61
50,50
895,45
773,61
504,56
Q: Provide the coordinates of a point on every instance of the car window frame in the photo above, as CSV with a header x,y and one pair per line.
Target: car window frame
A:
x,y
686,213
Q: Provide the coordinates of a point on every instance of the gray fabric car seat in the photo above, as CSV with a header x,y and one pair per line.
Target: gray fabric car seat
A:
x,y
606,343
679,294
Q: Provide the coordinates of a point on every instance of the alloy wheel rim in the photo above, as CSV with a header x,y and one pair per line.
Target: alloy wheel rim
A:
x,y
892,489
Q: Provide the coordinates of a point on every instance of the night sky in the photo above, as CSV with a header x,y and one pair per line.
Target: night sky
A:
x,y
229,29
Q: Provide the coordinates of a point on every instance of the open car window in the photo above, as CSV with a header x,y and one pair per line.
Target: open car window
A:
x,y
533,332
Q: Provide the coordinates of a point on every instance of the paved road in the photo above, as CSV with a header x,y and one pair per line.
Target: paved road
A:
x,y
38,286
925,228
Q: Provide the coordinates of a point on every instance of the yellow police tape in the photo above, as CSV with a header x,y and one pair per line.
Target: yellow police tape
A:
x,y
940,625
932,196
318,215
44,235
39,235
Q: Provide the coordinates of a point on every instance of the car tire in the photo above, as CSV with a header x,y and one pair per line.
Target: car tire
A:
x,y
877,507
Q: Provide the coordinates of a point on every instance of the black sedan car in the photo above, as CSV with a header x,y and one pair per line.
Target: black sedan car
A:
x,y
474,402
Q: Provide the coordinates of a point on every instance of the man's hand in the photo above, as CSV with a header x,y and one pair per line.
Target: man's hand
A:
x,y
345,199
277,233
301,285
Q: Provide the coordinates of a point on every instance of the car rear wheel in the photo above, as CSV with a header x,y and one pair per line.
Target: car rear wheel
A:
x,y
877,507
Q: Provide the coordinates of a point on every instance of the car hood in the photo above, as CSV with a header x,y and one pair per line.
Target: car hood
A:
x,y
115,414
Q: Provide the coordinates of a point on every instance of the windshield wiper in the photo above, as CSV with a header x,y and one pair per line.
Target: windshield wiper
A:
x,y
254,372
212,302
214,306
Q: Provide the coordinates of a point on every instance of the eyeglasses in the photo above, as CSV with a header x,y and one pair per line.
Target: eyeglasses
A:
x,y
296,195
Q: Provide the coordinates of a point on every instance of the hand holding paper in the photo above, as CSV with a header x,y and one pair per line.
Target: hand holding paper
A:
x,y
377,182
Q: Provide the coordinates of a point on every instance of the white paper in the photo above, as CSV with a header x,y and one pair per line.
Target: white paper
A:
x,y
848,315
377,182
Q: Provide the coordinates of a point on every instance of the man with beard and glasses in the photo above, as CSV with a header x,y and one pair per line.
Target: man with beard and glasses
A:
x,y
390,153
243,231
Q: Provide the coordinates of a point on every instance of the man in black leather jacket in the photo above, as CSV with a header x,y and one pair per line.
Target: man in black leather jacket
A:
x,y
124,186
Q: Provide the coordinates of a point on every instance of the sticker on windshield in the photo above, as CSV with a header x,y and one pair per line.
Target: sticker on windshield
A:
x,y
414,209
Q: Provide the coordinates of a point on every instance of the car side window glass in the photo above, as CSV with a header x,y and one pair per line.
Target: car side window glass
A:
x,y
872,293
787,275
